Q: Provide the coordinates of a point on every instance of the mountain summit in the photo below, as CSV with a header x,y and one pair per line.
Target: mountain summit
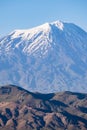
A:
x,y
48,58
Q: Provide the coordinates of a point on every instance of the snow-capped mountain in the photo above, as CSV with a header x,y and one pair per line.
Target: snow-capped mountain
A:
x,y
48,58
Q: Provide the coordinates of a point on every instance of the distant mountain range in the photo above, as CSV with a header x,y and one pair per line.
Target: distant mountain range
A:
x,y
48,58
23,110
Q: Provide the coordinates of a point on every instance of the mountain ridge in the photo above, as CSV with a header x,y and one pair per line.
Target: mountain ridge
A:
x,y
21,109
48,58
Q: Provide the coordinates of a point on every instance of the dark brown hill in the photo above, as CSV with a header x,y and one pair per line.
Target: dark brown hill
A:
x,y
23,110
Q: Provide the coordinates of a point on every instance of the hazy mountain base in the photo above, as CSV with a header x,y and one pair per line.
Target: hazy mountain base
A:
x,y
23,110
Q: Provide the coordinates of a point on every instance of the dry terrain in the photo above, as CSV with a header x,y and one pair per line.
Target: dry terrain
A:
x,y
23,110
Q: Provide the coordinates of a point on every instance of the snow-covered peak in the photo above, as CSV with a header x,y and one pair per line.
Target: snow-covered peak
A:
x,y
43,37
50,57
58,24
45,28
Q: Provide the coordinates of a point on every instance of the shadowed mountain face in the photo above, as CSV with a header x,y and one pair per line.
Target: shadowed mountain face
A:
x,y
23,110
48,58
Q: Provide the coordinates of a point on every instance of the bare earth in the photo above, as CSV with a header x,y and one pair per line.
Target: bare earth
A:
x,y
23,110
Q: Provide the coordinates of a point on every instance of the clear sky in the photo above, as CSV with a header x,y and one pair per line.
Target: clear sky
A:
x,y
24,14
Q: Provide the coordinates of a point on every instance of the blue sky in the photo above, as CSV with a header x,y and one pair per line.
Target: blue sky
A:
x,y
23,14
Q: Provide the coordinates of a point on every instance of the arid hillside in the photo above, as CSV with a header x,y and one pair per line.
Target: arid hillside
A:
x,y
23,110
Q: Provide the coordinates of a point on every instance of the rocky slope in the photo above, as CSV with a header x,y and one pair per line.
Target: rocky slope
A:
x,y
23,110
48,58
